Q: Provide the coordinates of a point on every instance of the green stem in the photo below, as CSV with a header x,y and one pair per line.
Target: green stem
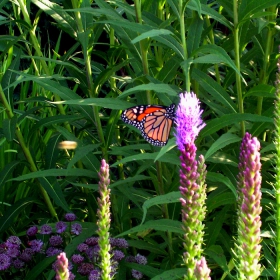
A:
x,y
37,48
87,58
143,47
277,169
264,75
237,63
25,150
182,7
161,191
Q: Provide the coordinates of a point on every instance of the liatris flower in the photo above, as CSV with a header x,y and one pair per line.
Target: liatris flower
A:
x,y
62,272
104,220
249,199
201,270
192,178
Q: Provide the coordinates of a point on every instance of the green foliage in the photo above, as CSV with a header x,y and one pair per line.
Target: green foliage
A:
x,y
67,71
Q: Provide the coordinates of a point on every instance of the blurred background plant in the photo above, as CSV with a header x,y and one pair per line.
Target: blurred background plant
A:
x,y
68,68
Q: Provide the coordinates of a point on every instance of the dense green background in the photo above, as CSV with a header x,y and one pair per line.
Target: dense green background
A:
x,y
67,71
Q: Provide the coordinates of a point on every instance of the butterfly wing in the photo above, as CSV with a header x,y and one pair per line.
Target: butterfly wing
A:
x,y
153,121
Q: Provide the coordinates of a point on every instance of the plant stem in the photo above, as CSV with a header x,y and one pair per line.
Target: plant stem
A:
x,y
237,63
26,151
143,47
181,7
164,211
87,58
264,75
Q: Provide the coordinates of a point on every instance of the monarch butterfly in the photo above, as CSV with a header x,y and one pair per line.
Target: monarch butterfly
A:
x,y
153,121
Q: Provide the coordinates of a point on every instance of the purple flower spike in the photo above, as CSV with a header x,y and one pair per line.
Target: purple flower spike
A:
x,y
188,119
192,178
249,209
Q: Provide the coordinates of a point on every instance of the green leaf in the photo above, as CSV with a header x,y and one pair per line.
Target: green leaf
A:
x,y
261,90
52,151
231,119
216,252
9,216
160,88
128,180
212,13
82,152
214,54
220,199
176,273
171,197
111,103
56,173
161,225
225,140
8,78
6,172
220,178
150,34
149,156
54,190
9,128
249,8
37,271
214,89
213,228
64,20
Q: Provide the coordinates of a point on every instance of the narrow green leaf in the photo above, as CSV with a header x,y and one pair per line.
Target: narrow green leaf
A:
x,y
216,252
212,13
53,189
231,119
64,20
223,141
111,103
214,89
6,172
220,178
52,151
173,274
217,54
55,173
220,199
8,218
9,128
149,156
172,197
37,271
151,34
128,180
81,152
162,225
161,88
261,90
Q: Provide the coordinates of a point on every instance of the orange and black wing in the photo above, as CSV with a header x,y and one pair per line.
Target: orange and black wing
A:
x,y
153,121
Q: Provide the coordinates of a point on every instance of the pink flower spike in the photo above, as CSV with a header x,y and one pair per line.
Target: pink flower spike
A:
x,y
188,119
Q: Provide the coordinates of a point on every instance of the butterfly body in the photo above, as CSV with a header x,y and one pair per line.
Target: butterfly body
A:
x,y
154,121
